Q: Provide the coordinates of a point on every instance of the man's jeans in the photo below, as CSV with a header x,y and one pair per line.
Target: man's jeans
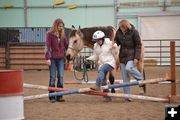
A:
x,y
56,64
130,69
102,72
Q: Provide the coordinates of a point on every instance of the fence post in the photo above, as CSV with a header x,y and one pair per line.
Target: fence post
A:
x,y
173,68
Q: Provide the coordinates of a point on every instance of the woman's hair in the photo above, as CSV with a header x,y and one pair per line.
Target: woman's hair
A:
x,y
125,24
54,28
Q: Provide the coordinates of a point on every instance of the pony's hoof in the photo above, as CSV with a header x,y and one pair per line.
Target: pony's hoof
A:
x,y
113,90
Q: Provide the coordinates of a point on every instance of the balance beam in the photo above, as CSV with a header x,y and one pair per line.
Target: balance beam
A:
x,y
87,91
58,93
140,83
26,85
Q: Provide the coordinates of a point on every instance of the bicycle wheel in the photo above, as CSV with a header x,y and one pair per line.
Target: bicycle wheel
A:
x,y
78,69
78,75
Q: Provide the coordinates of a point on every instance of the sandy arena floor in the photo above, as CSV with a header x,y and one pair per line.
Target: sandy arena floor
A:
x,y
86,107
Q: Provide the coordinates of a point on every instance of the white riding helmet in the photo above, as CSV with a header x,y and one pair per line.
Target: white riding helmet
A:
x,y
98,35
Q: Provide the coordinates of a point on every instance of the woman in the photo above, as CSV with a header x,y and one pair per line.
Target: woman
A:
x,y
130,52
103,55
56,43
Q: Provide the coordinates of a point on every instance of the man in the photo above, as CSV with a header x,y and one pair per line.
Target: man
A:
x,y
130,52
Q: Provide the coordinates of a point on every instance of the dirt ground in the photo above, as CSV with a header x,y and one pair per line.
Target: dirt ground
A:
x,y
86,107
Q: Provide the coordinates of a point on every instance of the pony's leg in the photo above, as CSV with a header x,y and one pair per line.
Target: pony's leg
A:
x,y
111,80
140,67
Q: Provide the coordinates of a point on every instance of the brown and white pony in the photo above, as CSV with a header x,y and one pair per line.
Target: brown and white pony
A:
x,y
79,38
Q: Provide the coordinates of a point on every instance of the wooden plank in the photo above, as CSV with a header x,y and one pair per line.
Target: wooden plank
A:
x,y
2,50
138,97
2,64
134,83
68,92
2,60
33,50
27,56
2,55
27,47
28,61
2,67
27,43
30,67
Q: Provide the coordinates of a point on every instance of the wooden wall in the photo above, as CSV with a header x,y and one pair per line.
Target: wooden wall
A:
x,y
27,57
2,58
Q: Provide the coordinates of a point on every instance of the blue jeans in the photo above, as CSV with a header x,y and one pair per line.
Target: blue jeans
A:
x,y
102,72
56,64
129,69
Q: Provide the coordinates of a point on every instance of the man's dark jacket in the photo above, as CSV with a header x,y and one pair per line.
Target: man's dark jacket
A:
x,y
130,45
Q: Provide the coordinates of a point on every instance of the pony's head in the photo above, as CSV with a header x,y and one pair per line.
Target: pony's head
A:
x,y
76,44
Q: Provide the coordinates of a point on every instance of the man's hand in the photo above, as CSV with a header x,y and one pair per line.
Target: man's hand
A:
x,y
135,61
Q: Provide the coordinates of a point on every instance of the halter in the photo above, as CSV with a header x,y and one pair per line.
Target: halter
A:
x,y
76,51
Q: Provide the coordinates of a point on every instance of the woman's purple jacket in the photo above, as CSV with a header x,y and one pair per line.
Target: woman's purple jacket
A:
x,y
54,49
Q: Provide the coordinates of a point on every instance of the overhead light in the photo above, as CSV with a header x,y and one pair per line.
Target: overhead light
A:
x,y
58,2
72,7
8,6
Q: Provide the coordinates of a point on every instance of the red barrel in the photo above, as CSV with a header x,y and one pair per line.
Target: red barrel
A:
x,y
11,82
11,95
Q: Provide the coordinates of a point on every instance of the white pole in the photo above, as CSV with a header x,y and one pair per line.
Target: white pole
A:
x,y
36,96
35,86
139,97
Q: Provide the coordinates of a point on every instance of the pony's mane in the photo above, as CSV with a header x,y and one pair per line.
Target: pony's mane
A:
x,y
73,33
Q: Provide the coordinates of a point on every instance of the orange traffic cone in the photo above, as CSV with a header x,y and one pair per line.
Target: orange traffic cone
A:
x,y
166,75
68,66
